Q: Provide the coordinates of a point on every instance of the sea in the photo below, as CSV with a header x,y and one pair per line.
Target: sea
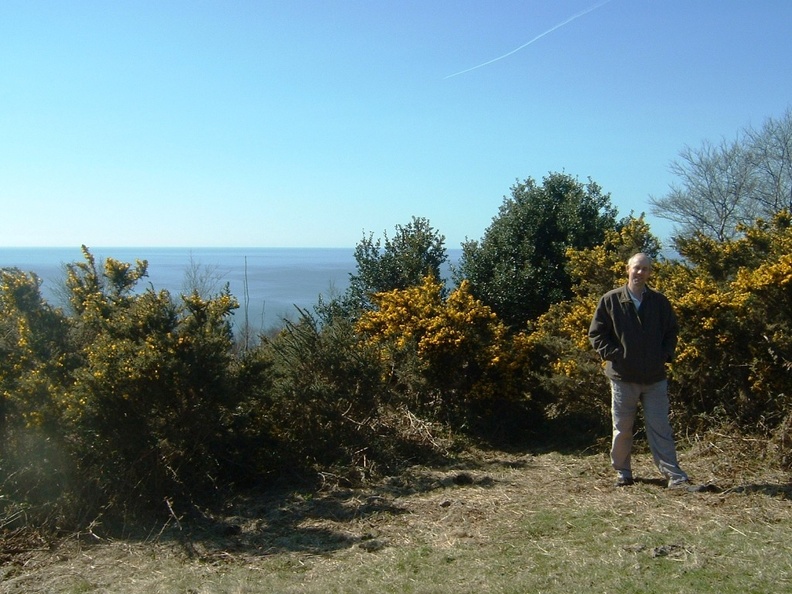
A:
x,y
271,284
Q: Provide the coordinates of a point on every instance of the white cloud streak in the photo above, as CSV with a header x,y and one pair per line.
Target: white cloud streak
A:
x,y
537,38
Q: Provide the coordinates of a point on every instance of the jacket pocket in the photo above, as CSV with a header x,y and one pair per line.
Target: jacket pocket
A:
x,y
618,364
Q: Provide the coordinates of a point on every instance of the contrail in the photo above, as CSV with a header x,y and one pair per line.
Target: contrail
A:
x,y
537,38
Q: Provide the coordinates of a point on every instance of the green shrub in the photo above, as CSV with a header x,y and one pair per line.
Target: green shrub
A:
x,y
519,267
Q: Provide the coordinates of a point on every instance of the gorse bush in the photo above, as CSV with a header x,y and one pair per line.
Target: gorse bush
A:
x,y
35,365
34,353
132,388
326,392
153,391
735,309
467,366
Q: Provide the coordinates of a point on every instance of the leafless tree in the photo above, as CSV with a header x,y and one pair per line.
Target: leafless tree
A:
x,y
771,150
721,186
714,192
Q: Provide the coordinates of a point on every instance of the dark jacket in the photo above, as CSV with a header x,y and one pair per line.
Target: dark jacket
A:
x,y
636,344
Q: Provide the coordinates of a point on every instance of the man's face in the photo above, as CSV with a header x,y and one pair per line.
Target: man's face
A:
x,y
638,271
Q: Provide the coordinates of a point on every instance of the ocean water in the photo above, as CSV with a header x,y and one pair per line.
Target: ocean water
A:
x,y
272,281
269,283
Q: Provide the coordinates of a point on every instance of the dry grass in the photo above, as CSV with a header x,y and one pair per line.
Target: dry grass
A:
x,y
493,521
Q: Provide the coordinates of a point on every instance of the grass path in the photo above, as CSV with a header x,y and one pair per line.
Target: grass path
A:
x,y
492,522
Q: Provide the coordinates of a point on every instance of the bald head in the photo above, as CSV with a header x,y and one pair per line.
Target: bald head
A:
x,y
639,257
639,269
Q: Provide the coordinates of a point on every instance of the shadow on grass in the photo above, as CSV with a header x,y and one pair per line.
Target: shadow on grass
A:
x,y
286,521
309,518
780,491
783,492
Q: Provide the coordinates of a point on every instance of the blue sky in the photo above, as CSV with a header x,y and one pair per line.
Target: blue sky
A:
x,y
309,123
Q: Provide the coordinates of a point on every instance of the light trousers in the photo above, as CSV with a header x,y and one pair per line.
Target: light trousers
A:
x,y
625,397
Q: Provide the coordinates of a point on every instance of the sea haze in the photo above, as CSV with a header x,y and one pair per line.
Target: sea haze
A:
x,y
273,281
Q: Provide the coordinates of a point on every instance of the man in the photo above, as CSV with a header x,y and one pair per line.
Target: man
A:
x,y
634,330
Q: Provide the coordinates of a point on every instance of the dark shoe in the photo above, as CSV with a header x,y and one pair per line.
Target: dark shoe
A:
x,y
624,481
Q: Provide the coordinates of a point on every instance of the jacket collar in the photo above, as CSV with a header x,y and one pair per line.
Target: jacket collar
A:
x,y
624,294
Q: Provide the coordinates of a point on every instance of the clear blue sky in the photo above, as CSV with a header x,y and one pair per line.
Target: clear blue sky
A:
x,y
309,123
